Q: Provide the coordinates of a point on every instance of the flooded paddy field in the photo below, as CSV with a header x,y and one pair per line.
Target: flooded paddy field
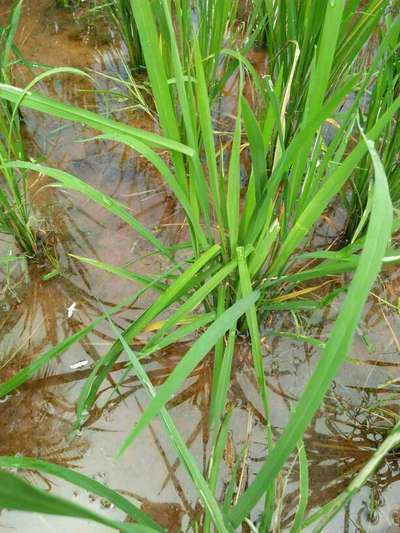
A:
x,y
45,301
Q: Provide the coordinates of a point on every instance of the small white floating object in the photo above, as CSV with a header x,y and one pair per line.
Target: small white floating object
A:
x,y
71,309
80,364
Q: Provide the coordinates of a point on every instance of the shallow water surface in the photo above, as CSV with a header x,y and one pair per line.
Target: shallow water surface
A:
x,y
36,314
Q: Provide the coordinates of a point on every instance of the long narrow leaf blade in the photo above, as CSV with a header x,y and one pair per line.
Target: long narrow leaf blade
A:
x,y
337,347
83,116
17,494
79,480
192,358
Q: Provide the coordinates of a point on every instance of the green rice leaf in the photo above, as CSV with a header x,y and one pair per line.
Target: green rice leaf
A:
x,y
93,120
75,184
189,362
16,494
336,348
80,480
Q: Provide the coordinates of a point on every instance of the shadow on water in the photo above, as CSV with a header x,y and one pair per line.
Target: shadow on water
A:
x,y
37,313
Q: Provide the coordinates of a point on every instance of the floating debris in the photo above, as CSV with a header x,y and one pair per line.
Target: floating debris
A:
x,y
79,364
70,311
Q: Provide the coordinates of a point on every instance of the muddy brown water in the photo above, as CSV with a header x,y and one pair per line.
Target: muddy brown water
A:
x,y
36,314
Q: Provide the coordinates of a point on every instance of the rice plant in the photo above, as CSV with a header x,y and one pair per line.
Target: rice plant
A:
x,y
15,212
120,12
247,252
382,91
293,30
211,21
